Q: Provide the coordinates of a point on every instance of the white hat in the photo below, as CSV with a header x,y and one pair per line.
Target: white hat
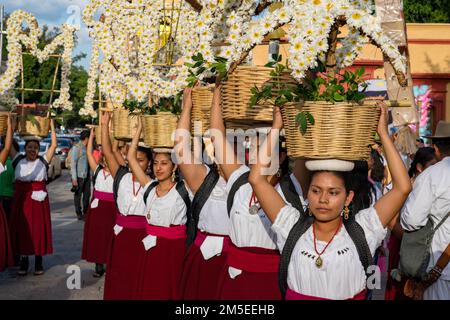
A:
x,y
329,165
142,144
162,150
31,138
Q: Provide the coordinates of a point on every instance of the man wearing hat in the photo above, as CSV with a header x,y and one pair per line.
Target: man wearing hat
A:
x,y
430,199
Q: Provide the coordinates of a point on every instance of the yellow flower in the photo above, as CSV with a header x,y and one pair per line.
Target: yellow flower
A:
x,y
317,2
356,16
297,46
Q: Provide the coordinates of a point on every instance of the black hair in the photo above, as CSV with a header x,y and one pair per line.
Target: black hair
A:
x,y
28,142
15,145
443,144
147,151
356,181
85,134
361,186
377,171
422,156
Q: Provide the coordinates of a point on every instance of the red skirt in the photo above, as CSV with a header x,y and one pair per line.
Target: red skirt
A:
x,y
394,289
99,231
251,285
31,227
6,257
200,277
126,254
160,270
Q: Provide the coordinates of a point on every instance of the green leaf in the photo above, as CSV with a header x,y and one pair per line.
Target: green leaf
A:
x,y
253,101
302,122
310,118
254,90
360,71
197,64
338,97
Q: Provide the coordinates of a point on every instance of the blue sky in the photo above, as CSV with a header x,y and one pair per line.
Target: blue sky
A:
x,y
54,13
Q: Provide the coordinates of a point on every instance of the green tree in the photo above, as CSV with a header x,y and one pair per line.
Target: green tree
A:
x,y
430,11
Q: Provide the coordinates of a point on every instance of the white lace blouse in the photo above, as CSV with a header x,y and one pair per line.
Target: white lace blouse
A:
x,y
104,182
248,230
167,210
127,203
342,275
214,216
29,171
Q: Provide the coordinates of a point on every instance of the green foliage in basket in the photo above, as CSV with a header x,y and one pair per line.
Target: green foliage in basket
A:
x,y
322,87
171,104
218,68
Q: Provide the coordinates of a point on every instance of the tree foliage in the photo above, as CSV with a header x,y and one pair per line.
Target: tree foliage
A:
x,y
430,11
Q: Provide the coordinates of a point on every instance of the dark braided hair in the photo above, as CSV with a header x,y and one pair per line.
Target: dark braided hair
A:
x,y
361,186
377,170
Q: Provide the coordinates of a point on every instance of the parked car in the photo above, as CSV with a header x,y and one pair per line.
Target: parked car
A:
x,y
74,137
63,148
54,168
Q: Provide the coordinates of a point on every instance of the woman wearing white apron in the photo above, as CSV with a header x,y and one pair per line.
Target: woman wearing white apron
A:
x,y
320,258
126,253
31,228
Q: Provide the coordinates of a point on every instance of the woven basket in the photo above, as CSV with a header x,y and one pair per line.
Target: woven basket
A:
x,y
3,123
124,124
201,108
236,95
341,131
39,126
158,129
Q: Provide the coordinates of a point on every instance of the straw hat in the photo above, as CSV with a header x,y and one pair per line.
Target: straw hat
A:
x,y
442,130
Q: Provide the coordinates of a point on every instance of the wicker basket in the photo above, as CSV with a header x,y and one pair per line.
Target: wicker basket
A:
x,y
124,124
158,129
3,123
236,95
201,108
39,126
341,131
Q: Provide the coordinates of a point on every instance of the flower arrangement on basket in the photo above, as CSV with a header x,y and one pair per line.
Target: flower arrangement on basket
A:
x,y
141,42
324,115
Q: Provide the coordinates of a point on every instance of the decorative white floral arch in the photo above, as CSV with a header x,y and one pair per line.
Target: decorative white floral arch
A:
x,y
17,37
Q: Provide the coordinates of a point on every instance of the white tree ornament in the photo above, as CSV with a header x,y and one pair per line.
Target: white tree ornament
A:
x,y
17,37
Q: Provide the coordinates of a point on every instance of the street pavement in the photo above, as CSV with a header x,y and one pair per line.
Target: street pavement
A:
x,y
67,244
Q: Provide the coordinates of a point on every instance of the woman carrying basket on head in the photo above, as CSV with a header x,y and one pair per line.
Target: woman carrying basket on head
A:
x,y
31,228
166,205
251,269
101,215
208,235
127,251
325,253
6,257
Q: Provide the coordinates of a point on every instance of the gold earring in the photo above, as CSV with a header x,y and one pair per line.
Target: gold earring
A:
x,y
173,176
346,212
308,211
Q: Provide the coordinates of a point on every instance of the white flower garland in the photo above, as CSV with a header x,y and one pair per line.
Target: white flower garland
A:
x,y
118,77
16,38
310,25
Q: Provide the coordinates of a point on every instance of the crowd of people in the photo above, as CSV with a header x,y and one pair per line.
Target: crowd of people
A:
x,y
163,229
